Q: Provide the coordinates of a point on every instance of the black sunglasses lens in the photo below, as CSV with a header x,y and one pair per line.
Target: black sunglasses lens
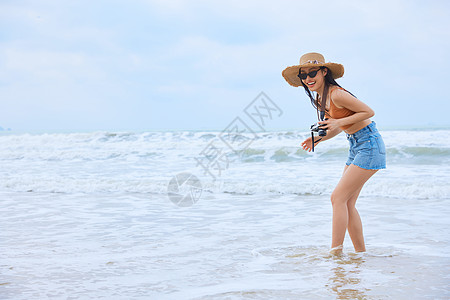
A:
x,y
312,74
302,76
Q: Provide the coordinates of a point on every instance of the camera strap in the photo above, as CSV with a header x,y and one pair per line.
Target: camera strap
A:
x,y
312,138
323,105
320,116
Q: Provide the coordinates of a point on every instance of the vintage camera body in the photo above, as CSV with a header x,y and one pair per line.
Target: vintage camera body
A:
x,y
318,128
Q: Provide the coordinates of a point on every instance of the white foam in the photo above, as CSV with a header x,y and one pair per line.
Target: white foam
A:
x,y
272,164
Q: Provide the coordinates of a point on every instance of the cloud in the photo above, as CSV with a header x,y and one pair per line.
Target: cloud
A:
x,y
78,59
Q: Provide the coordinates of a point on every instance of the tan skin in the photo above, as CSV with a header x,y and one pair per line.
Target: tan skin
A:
x,y
344,196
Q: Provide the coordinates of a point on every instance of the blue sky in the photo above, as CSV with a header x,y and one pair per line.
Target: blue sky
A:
x,y
195,65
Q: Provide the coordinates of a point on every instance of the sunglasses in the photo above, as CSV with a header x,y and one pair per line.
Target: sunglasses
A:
x,y
311,74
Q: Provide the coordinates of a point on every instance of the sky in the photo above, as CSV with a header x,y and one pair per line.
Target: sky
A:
x,y
68,66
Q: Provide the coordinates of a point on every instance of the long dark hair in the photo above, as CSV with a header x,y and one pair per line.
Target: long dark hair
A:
x,y
329,81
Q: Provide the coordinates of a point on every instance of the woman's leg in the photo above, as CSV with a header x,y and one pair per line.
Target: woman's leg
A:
x,y
354,225
343,200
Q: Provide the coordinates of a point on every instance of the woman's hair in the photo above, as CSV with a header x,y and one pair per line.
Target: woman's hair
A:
x,y
329,81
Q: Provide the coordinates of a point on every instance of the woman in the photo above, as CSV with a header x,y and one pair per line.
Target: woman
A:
x,y
343,112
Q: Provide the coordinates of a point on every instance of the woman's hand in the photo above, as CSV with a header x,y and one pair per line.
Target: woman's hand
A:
x,y
330,124
307,144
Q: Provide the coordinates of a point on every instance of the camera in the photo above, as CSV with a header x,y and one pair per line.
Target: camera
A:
x,y
317,128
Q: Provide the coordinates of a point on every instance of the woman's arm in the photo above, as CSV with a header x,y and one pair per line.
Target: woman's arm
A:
x,y
344,99
307,144
331,134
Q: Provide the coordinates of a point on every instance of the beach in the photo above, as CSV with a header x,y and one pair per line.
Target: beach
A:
x,y
88,216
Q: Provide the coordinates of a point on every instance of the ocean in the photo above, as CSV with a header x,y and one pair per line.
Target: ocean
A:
x,y
214,215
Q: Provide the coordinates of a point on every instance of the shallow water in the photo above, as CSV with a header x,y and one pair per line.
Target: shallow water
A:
x,y
88,216
139,246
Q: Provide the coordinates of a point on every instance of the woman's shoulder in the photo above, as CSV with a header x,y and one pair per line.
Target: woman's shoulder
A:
x,y
335,88
335,92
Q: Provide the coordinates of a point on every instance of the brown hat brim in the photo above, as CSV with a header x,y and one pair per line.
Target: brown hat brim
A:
x,y
290,73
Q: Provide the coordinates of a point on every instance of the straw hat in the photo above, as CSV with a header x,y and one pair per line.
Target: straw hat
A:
x,y
311,60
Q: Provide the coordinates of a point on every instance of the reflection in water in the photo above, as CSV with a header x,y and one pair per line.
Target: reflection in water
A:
x,y
346,278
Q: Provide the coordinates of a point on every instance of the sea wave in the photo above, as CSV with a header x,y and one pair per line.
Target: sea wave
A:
x,y
271,146
265,186
270,163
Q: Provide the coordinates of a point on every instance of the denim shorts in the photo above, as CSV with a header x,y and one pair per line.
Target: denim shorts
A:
x,y
367,149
